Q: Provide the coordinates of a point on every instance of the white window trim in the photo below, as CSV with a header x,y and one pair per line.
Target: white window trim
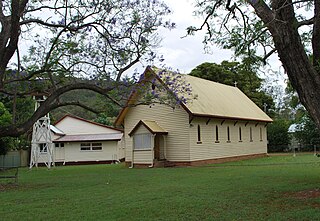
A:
x,y
90,145
144,135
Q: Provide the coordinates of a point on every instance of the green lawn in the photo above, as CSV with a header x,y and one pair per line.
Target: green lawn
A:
x,y
272,188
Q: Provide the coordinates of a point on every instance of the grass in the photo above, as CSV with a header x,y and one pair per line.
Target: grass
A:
x,y
272,188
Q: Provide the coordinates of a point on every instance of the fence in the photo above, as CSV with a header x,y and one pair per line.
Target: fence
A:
x,y
18,158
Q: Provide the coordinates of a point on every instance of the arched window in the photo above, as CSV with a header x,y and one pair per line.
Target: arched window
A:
x,y
199,134
217,134
251,134
260,134
228,134
240,135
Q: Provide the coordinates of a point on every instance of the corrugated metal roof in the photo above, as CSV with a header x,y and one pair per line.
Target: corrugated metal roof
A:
x,y
152,126
221,100
89,137
212,100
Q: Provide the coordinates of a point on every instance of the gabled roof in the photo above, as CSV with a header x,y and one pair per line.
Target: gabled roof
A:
x,y
88,121
212,100
89,138
152,126
222,101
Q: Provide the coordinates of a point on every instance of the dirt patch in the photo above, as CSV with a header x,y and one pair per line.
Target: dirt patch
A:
x,y
8,186
307,194
307,197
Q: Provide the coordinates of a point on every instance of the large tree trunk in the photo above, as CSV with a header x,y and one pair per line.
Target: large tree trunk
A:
x,y
303,76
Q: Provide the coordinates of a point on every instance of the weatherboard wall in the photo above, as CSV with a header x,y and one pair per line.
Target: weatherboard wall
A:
x,y
209,148
74,154
174,121
71,153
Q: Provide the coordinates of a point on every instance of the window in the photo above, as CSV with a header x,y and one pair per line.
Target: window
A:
x,y
228,135
142,141
96,146
57,145
260,134
251,140
43,148
199,134
217,134
90,146
240,135
85,146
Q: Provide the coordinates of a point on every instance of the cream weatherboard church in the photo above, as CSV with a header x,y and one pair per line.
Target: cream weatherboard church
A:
x,y
220,124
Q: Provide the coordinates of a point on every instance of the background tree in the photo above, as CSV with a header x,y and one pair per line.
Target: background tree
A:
x,y
307,133
278,136
258,29
72,41
244,76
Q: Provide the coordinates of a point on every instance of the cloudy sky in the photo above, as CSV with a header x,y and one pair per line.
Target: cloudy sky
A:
x,y
186,53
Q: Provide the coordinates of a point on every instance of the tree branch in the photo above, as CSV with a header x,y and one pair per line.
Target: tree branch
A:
x,y
306,22
75,103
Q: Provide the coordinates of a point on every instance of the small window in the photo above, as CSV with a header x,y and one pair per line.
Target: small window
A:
x,y
261,134
96,146
85,146
240,135
57,145
142,141
228,135
251,140
199,134
217,134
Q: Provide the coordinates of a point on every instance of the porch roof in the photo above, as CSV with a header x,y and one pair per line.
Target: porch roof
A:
x,y
152,126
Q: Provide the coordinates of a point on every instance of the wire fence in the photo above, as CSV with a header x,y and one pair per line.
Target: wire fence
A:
x,y
294,147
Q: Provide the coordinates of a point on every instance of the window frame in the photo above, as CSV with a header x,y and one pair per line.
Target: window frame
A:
x,y
88,146
199,135
250,134
217,135
240,134
228,135
144,137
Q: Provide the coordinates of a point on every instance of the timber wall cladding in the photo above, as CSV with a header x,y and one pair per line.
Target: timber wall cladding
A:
x,y
73,152
210,149
175,121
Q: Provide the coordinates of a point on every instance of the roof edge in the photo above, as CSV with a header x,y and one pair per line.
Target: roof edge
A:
x,y
231,118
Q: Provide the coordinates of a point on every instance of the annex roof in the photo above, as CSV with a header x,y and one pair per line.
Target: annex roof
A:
x,y
152,126
85,120
212,100
89,137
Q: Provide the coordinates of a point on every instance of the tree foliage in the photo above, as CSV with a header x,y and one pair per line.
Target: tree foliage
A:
x,y
257,29
232,73
307,131
278,136
71,41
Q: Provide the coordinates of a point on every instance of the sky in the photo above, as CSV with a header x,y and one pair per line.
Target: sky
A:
x,y
186,53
